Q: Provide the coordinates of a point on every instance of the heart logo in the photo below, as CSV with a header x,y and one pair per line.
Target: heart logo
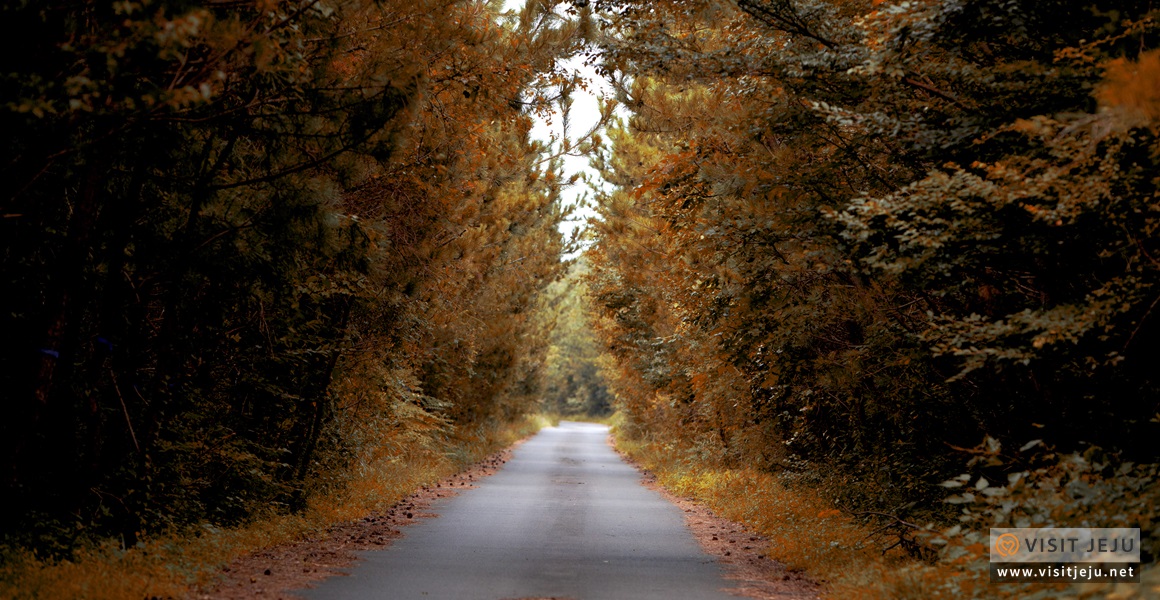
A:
x,y
1006,545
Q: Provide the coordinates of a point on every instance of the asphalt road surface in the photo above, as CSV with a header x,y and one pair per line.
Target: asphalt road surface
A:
x,y
564,518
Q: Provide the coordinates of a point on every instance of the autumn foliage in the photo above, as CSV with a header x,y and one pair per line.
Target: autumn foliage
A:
x,y
251,248
872,245
900,254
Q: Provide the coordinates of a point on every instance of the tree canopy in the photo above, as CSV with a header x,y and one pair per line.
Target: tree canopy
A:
x,y
853,240
242,242
869,244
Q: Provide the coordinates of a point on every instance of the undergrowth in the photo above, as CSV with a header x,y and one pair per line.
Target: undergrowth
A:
x,y
807,533
172,565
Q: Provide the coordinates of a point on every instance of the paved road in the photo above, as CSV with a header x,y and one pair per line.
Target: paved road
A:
x,y
564,518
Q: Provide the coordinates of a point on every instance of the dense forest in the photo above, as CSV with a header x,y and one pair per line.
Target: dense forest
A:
x,y
902,254
243,242
576,368
882,246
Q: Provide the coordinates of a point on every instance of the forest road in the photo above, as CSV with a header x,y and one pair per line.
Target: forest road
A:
x,y
566,518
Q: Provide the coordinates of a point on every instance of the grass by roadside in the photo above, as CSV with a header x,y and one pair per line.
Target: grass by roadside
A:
x,y
805,533
170,566
808,534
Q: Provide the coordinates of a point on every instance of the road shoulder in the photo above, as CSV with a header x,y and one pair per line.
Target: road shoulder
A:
x,y
279,572
737,548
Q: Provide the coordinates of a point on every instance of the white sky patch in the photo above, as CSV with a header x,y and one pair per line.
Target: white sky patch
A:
x,y
583,115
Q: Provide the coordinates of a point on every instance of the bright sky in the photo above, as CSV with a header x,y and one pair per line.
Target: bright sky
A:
x,y
585,113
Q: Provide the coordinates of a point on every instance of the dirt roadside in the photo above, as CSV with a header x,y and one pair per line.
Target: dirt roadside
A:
x,y
738,549
276,573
